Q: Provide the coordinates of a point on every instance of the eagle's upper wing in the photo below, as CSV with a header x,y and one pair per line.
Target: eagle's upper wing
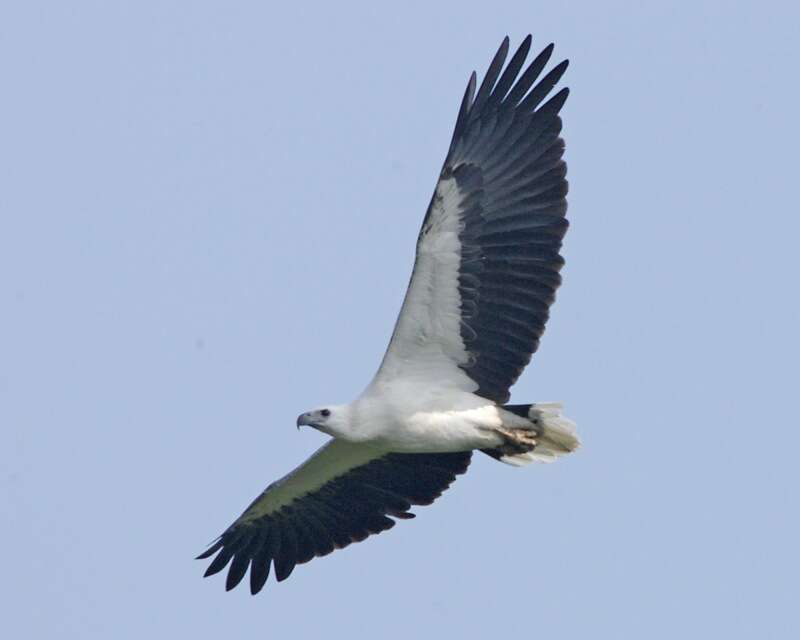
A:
x,y
341,494
488,261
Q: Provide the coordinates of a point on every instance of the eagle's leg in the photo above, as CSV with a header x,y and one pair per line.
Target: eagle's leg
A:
x,y
516,441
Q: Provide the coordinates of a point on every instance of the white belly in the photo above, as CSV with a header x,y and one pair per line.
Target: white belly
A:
x,y
423,421
451,430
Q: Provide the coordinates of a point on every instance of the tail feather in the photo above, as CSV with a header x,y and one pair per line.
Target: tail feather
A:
x,y
559,435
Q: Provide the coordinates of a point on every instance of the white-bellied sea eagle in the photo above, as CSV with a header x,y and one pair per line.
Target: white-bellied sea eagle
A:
x,y
486,271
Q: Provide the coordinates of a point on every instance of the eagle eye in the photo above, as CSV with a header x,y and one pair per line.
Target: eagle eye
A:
x,y
325,413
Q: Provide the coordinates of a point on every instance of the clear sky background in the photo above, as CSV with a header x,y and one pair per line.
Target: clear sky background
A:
x,y
207,222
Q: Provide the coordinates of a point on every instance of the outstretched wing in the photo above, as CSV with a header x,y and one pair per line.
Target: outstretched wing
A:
x,y
341,494
488,261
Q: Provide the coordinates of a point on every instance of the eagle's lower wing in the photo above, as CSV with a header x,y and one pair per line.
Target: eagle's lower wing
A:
x,y
342,494
488,261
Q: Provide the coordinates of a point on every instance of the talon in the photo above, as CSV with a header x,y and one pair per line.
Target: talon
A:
x,y
517,441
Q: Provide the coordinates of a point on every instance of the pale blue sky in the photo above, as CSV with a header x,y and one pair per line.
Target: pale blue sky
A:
x,y
207,221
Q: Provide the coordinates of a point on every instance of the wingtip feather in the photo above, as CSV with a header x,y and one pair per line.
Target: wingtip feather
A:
x,y
215,546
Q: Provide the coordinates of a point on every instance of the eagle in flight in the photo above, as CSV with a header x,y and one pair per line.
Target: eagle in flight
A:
x,y
486,272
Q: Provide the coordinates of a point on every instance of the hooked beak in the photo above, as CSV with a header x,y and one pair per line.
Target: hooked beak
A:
x,y
304,419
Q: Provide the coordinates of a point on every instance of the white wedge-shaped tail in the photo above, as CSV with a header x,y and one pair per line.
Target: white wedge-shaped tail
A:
x,y
559,436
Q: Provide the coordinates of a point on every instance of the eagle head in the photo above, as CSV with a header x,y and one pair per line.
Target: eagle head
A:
x,y
328,419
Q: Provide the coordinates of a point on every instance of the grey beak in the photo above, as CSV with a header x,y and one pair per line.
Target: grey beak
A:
x,y
303,419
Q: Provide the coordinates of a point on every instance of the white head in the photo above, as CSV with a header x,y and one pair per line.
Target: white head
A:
x,y
331,419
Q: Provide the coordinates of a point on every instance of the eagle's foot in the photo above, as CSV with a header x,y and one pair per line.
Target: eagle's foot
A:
x,y
516,441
